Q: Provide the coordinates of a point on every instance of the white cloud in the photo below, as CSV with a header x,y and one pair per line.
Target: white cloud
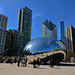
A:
x,y
37,15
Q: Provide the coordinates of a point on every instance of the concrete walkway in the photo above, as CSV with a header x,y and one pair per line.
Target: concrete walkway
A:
x,y
7,69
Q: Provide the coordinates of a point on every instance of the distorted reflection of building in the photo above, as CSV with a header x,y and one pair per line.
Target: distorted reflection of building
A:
x,y
51,47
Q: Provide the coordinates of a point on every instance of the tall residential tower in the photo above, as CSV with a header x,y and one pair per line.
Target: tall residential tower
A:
x,y
24,22
49,29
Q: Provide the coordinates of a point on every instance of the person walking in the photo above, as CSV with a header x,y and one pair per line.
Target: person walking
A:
x,y
34,62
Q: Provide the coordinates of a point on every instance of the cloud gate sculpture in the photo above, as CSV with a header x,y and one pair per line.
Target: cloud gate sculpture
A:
x,y
46,48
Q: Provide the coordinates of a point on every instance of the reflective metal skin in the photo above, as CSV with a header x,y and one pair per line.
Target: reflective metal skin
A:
x,y
45,44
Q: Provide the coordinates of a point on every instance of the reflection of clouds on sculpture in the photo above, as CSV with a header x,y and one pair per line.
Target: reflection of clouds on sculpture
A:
x,y
43,44
29,46
48,43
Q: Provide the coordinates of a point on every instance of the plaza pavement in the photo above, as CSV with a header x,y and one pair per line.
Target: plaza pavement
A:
x,y
8,69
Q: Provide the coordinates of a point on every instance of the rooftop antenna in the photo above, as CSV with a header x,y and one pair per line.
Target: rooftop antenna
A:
x,y
62,18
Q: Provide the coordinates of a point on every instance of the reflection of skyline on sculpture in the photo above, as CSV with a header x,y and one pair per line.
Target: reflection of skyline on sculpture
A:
x,y
43,44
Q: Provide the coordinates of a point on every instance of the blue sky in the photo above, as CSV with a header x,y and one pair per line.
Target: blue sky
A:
x,y
54,10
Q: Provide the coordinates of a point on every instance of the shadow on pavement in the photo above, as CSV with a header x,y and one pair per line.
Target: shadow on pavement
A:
x,y
42,68
73,65
65,64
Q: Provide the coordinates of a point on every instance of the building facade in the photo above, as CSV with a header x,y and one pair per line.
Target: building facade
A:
x,y
15,42
49,29
8,43
70,38
3,27
24,22
62,32
18,42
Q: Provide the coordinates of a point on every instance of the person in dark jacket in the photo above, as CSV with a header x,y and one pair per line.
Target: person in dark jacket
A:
x,y
26,61
18,62
34,62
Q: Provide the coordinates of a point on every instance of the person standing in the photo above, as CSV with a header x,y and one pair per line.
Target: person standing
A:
x,y
21,62
58,62
26,61
34,62
49,63
11,61
15,60
18,62
38,63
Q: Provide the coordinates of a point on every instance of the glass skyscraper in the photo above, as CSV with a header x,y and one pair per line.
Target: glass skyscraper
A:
x,y
62,32
49,29
24,22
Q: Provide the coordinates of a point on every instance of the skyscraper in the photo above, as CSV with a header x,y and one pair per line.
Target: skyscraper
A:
x,y
62,32
70,38
49,29
24,22
3,27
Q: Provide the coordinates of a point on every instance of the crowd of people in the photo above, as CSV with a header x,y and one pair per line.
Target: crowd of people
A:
x,y
19,61
22,61
36,63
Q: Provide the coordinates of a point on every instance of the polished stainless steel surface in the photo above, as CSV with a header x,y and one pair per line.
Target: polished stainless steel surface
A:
x,y
43,44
